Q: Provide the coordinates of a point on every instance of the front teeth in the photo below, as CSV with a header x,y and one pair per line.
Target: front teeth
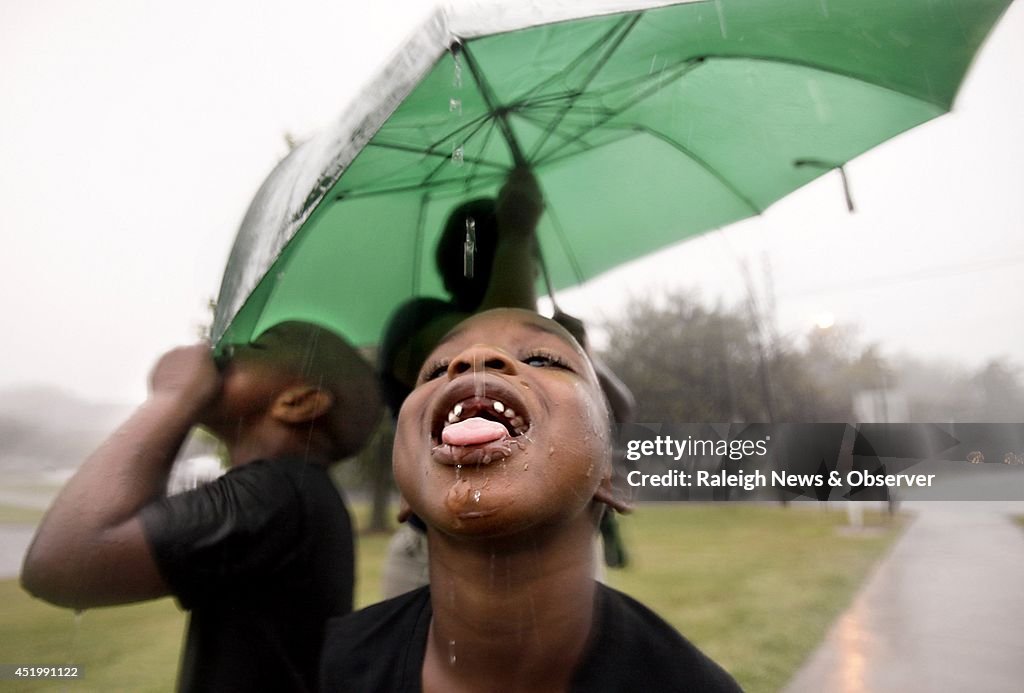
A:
x,y
517,422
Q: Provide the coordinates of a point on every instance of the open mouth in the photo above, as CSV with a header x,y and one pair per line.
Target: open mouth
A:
x,y
478,429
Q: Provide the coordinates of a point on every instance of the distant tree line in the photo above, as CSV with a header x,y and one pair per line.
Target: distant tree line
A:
x,y
687,362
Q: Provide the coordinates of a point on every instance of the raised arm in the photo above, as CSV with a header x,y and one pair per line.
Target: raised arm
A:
x,y
90,549
514,277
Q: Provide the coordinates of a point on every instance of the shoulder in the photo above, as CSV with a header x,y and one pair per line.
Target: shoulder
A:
x,y
636,649
378,648
244,523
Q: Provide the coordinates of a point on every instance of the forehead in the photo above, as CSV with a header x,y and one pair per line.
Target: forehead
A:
x,y
510,328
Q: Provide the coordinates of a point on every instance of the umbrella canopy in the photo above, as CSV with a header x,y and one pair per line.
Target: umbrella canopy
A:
x,y
645,123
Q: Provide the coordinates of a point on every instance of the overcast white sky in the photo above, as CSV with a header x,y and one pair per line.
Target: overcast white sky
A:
x,y
133,136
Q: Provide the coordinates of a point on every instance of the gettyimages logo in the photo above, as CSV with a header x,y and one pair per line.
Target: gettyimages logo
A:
x,y
833,461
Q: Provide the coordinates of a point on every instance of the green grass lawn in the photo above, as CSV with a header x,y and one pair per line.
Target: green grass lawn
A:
x,y
16,514
754,586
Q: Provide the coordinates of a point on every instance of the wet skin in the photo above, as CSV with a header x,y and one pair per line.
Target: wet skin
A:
x,y
544,470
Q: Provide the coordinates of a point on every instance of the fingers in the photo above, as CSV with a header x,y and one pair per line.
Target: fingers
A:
x,y
187,371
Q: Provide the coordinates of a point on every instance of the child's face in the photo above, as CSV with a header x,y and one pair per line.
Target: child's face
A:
x,y
249,382
506,429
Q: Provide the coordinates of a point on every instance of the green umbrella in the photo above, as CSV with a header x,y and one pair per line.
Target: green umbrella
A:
x,y
644,126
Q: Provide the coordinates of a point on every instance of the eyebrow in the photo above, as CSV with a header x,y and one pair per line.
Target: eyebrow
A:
x,y
540,328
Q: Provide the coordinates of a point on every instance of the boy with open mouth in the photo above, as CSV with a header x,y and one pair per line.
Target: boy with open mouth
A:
x,y
503,449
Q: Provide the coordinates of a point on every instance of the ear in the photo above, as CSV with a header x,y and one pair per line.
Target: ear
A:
x,y
606,494
301,403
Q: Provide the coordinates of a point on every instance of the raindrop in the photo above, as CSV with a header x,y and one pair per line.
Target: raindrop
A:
x,y
455,106
469,248
458,155
451,652
476,496
458,471
721,18
76,629
456,67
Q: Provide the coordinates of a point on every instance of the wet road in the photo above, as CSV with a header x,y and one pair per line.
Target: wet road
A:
x,y
944,611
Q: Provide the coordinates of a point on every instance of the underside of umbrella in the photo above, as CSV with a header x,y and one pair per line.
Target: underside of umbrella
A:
x,y
644,128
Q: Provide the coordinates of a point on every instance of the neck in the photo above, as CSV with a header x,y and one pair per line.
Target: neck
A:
x,y
268,442
519,612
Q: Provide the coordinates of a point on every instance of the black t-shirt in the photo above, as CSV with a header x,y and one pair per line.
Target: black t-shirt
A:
x,y
381,649
262,557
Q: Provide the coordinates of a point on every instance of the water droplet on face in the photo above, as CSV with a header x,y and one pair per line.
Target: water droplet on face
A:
x,y
458,471
458,155
479,389
476,496
451,652
526,467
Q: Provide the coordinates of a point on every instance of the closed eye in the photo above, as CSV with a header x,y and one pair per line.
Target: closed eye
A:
x,y
434,370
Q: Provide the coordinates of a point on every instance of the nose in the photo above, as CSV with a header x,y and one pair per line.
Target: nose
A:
x,y
479,358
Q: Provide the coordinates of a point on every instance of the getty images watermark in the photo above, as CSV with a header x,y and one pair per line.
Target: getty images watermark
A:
x,y
833,461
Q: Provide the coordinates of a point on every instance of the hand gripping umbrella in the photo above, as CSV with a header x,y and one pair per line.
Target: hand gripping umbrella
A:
x,y
645,123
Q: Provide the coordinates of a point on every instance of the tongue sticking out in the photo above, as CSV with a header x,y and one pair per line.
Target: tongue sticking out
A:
x,y
475,431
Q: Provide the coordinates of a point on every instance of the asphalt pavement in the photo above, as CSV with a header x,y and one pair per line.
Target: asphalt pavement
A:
x,y
944,610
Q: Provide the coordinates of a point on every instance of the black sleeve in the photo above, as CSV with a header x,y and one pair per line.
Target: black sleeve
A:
x,y
244,526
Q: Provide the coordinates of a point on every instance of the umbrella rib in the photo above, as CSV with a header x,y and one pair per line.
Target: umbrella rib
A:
x,y
483,148
418,243
624,27
566,248
684,67
540,122
820,68
699,161
476,122
478,125
498,112
578,60
433,153
410,187
680,70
